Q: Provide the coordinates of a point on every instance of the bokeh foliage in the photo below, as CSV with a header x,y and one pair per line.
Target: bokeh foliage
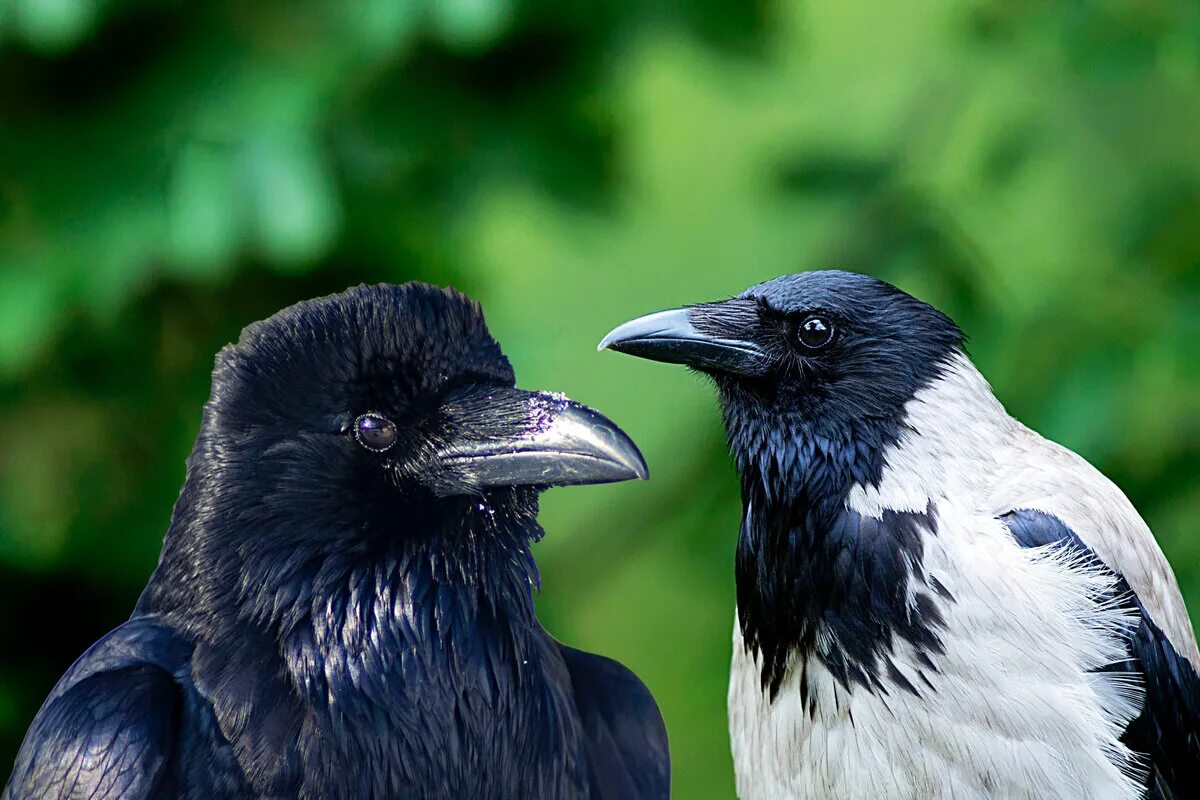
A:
x,y
170,171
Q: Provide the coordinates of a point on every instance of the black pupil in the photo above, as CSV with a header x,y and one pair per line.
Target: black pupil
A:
x,y
376,433
815,332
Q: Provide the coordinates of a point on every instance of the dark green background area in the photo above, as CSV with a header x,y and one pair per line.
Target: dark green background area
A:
x,y
170,171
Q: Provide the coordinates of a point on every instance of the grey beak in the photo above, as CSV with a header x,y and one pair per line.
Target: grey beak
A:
x,y
559,443
672,337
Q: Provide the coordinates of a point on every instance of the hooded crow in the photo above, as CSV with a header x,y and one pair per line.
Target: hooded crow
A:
x,y
343,607
933,600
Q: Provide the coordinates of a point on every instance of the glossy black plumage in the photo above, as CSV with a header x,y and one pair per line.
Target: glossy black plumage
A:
x,y
109,727
328,621
1165,731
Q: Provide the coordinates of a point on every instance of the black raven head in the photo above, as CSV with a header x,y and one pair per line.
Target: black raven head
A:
x,y
357,425
827,348
386,401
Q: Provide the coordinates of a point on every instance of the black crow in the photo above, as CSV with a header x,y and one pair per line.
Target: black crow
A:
x,y
933,600
343,606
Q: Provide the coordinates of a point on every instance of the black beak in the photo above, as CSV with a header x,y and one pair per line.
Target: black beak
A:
x,y
672,336
509,437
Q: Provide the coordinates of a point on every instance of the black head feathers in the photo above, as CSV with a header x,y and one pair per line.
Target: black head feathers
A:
x,y
829,346
373,424
371,346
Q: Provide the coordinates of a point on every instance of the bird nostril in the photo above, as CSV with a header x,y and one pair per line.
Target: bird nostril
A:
x,y
544,407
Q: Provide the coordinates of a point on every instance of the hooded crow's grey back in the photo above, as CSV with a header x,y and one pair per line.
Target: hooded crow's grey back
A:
x,y
343,605
933,600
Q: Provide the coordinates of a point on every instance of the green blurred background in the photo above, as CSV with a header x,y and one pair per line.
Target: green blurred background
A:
x,y
171,170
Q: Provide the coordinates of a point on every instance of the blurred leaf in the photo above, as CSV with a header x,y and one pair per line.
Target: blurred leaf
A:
x,y
29,306
53,25
469,23
205,212
382,24
294,207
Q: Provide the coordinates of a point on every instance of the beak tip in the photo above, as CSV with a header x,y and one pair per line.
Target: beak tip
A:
x,y
637,465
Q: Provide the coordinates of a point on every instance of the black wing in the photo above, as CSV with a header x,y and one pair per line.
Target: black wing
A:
x,y
108,729
628,754
1167,732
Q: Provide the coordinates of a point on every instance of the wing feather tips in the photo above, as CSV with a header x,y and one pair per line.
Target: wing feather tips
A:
x,y
627,746
107,738
1169,727
1165,727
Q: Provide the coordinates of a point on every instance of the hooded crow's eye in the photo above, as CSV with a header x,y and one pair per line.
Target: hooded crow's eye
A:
x,y
814,332
375,432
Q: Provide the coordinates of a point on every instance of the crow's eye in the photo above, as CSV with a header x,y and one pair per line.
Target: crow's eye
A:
x,y
375,432
814,332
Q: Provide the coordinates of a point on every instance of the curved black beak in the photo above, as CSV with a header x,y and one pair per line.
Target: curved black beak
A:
x,y
511,437
672,336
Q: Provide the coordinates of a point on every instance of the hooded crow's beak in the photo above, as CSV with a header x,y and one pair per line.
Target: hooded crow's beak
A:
x,y
672,336
509,437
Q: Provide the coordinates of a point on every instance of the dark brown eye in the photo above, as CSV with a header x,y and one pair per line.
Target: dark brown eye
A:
x,y
814,332
375,432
